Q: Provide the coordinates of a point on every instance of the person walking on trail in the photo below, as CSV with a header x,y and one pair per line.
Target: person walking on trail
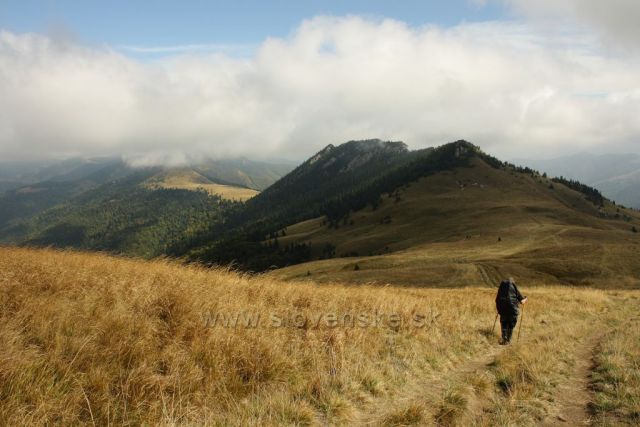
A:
x,y
508,302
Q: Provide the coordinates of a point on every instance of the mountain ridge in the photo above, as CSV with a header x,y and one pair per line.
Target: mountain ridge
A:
x,y
616,175
368,211
279,238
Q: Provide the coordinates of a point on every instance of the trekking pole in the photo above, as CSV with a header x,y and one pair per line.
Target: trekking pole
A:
x,y
494,324
521,322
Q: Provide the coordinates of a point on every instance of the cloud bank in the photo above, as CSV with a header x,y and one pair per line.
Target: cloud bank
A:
x,y
616,21
506,86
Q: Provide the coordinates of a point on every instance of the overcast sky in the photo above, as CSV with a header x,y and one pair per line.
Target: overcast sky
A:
x,y
519,78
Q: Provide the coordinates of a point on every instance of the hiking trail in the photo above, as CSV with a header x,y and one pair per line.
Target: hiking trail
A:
x,y
573,395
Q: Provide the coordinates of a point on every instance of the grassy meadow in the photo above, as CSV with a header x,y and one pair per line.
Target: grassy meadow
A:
x,y
95,339
193,181
474,226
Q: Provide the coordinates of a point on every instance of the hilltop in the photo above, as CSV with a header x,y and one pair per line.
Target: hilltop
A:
x,y
189,179
474,224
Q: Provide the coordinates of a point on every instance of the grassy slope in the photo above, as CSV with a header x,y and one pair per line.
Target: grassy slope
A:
x,y
94,339
445,230
189,179
616,377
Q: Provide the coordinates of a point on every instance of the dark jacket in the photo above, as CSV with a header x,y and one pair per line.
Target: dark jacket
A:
x,y
508,299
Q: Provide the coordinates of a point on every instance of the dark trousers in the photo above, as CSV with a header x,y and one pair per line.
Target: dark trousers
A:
x,y
508,324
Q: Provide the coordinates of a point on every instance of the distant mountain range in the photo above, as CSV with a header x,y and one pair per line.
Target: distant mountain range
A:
x,y
240,172
617,176
105,204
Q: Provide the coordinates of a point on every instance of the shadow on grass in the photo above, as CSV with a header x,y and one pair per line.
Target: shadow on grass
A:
x,y
488,333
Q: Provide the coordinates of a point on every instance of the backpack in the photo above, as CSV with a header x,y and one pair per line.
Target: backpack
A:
x,y
507,299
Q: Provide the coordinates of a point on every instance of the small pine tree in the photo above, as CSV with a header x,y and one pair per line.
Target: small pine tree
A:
x,y
634,229
356,268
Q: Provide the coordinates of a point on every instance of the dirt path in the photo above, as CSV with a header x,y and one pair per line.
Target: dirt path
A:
x,y
573,395
488,274
450,397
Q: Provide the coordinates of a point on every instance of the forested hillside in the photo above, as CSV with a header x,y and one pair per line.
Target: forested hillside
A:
x,y
123,217
60,183
106,204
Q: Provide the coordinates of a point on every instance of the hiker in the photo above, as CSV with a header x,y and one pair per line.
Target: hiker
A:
x,y
508,301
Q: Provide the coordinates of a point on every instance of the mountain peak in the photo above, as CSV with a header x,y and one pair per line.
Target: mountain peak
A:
x,y
320,154
357,153
464,147
375,145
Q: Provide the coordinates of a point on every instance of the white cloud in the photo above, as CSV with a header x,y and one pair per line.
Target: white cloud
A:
x,y
615,20
231,49
505,86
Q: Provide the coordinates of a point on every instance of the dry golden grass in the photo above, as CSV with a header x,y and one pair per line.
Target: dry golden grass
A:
x,y
616,377
225,191
191,180
93,339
